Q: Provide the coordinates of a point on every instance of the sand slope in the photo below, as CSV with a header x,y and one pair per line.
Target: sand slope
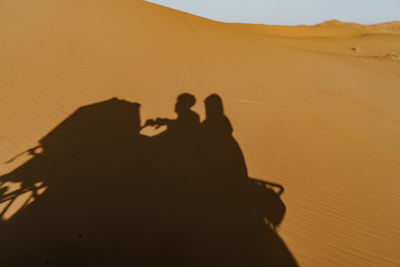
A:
x,y
313,108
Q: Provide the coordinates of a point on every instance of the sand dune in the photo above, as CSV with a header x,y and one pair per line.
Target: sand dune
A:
x,y
314,108
387,26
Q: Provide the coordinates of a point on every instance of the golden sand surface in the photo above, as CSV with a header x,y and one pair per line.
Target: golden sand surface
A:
x,y
314,108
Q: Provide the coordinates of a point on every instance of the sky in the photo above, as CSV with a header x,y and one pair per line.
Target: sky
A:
x,y
290,12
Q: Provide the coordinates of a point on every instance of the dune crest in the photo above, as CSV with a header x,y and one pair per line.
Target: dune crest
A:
x,y
335,22
393,26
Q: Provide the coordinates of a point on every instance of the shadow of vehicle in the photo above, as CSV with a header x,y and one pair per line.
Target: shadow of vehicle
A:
x,y
113,196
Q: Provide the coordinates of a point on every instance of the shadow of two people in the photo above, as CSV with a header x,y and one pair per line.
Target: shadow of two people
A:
x,y
181,198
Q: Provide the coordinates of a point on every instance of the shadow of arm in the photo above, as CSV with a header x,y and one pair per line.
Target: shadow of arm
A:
x,y
269,184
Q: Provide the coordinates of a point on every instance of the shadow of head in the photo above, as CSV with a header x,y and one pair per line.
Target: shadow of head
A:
x,y
213,106
184,102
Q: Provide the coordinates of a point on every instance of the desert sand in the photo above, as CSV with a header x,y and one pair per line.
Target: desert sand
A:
x,y
313,108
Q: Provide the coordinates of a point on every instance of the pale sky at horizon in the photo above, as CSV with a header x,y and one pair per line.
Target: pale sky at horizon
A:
x,y
290,12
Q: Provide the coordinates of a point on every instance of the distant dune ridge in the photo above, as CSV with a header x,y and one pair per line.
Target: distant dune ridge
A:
x,y
393,25
314,108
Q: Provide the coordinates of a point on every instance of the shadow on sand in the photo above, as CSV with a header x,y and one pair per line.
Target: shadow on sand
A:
x,y
115,197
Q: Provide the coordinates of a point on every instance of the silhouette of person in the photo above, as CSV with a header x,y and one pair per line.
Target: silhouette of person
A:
x,y
175,152
222,150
